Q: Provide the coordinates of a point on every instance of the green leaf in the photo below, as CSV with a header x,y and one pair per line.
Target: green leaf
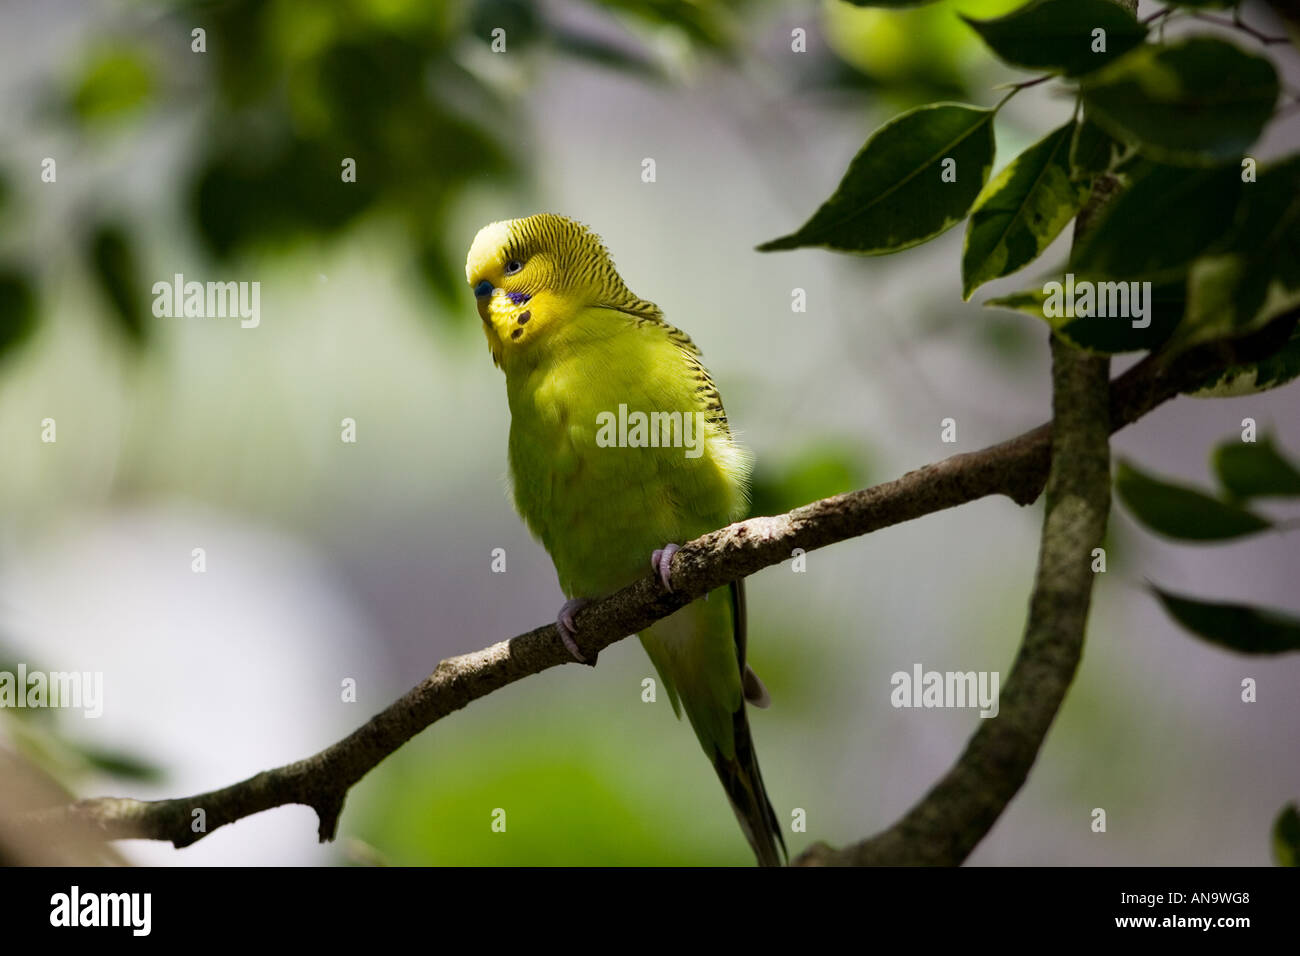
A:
x,y
113,263
893,195
17,309
1092,150
1238,627
1021,211
1183,513
1278,369
1057,35
1231,295
1286,836
1198,102
1254,273
1105,334
1029,301
1160,224
1255,469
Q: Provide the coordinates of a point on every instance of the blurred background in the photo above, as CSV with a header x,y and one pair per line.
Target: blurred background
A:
x,y
328,561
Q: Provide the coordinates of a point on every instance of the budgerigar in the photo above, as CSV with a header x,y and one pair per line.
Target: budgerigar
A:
x,y
587,362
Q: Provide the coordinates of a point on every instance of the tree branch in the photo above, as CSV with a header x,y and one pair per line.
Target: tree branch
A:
x,y
946,825
954,816
1017,468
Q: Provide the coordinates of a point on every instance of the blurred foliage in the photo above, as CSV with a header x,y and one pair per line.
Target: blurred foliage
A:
x,y
710,25
113,264
1255,470
1286,836
1044,34
1208,103
284,92
1252,272
890,4
114,81
1245,469
17,308
47,745
41,736
435,804
304,87
1183,513
817,471
119,764
926,47
1007,342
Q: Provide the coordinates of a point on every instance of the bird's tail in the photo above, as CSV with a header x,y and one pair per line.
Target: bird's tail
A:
x,y
743,782
700,655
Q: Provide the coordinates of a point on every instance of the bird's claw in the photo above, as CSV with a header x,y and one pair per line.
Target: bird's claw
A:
x,y
661,562
564,624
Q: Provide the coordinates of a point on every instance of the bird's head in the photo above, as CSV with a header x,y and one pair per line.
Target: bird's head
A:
x,y
531,276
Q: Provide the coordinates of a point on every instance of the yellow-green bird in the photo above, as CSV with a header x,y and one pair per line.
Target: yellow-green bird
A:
x,y
619,447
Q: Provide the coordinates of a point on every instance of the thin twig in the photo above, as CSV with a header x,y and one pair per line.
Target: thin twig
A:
x,y
1014,88
1238,24
1158,15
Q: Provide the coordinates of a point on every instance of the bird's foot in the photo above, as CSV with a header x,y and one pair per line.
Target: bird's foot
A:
x,y
661,563
564,624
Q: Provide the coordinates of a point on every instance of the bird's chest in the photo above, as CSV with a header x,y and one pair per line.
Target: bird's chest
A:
x,y
593,510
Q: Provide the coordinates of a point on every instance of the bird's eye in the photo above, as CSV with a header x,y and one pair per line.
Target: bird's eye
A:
x,y
513,266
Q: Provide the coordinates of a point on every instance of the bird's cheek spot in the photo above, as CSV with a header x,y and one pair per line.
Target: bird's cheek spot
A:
x,y
516,333
524,317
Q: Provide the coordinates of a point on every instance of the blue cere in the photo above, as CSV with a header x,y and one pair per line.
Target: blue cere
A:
x,y
482,289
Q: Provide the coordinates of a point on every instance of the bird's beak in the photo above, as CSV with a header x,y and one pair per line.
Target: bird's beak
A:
x,y
482,297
